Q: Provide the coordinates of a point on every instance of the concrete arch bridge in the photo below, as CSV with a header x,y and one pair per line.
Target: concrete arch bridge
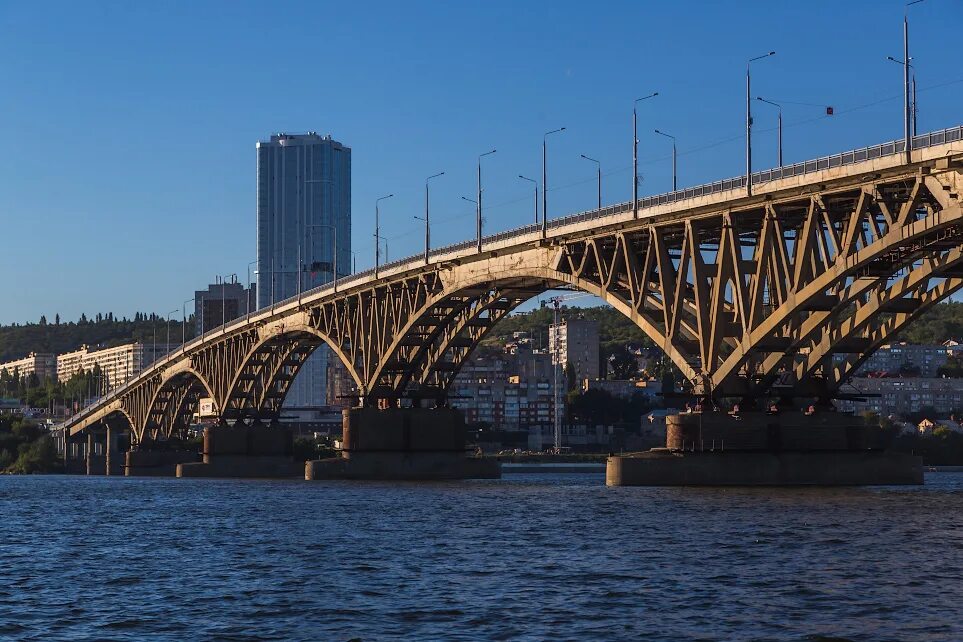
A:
x,y
750,296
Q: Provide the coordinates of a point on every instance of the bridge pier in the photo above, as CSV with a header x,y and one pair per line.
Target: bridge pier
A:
x,y
825,448
256,451
403,444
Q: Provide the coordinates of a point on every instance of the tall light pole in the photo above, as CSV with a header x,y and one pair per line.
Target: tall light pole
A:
x,y
635,153
224,294
545,179
749,121
427,219
778,129
248,296
184,322
535,183
913,109
377,232
907,135
167,351
675,182
478,203
598,168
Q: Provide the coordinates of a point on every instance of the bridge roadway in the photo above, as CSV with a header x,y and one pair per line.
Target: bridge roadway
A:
x,y
749,296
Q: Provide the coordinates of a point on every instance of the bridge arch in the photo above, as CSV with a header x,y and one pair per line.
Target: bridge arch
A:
x,y
173,403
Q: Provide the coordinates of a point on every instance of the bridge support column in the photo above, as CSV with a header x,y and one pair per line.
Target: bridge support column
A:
x,y
758,449
96,462
245,451
403,443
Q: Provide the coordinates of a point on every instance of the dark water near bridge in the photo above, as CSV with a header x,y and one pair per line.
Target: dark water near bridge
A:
x,y
530,557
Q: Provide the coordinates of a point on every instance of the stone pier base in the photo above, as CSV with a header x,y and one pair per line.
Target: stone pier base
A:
x,y
243,466
403,444
662,467
245,451
157,463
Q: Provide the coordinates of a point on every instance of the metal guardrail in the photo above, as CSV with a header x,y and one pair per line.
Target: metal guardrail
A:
x,y
940,137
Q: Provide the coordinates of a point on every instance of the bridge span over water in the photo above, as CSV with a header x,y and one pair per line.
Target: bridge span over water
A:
x,y
746,294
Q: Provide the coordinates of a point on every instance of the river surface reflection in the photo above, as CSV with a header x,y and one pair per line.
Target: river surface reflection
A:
x,y
528,557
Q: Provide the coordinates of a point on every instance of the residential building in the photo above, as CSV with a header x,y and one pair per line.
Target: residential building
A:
x,y
576,341
303,233
117,365
221,302
901,395
894,358
42,364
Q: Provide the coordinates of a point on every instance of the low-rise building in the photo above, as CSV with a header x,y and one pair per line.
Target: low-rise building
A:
x,y
901,395
896,358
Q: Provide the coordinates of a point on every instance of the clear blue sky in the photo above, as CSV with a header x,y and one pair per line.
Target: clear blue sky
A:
x,y
128,173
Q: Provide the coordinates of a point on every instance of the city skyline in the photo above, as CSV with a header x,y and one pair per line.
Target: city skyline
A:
x,y
188,199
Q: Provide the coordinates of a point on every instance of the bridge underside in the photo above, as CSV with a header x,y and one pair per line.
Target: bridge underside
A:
x,y
778,295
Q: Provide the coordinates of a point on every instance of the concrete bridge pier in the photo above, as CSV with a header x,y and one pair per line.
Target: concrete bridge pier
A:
x,y
255,451
404,444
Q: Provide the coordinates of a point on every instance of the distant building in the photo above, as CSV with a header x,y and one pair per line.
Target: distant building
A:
x,y
577,342
303,205
221,302
896,357
117,365
42,364
901,395
624,389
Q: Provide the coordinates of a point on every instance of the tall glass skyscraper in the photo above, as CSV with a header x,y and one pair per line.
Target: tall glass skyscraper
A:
x,y
303,205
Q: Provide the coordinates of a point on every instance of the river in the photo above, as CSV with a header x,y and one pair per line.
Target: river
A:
x,y
530,557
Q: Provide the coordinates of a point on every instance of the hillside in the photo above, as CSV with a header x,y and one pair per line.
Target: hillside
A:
x,y
19,340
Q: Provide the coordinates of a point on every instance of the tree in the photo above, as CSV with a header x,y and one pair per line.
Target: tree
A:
x,y
622,364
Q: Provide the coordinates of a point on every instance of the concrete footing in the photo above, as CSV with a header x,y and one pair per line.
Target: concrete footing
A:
x,y
157,463
662,467
243,466
403,444
403,466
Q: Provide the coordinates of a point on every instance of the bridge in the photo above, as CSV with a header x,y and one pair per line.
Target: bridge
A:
x,y
781,290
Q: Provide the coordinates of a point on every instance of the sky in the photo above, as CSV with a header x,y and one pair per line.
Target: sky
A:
x,y
129,128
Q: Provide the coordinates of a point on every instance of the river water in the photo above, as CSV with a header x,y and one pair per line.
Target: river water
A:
x,y
529,557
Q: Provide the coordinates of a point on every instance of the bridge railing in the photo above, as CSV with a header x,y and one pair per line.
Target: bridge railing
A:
x,y
940,137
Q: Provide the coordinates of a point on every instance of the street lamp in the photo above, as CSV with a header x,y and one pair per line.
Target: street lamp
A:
x,y
545,179
674,180
598,166
167,351
377,232
913,109
535,183
749,121
184,322
248,297
478,203
426,219
635,153
908,139
779,128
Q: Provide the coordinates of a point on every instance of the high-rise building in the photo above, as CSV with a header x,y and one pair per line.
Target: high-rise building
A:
x,y
221,302
303,212
577,342
42,364
117,365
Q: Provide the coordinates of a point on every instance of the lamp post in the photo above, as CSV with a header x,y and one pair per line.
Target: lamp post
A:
x,y
478,203
426,219
248,296
377,232
907,135
184,322
598,167
167,351
749,121
545,179
779,127
675,184
535,183
913,109
635,153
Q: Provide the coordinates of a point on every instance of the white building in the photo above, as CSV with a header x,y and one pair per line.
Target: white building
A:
x,y
576,341
117,365
42,364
